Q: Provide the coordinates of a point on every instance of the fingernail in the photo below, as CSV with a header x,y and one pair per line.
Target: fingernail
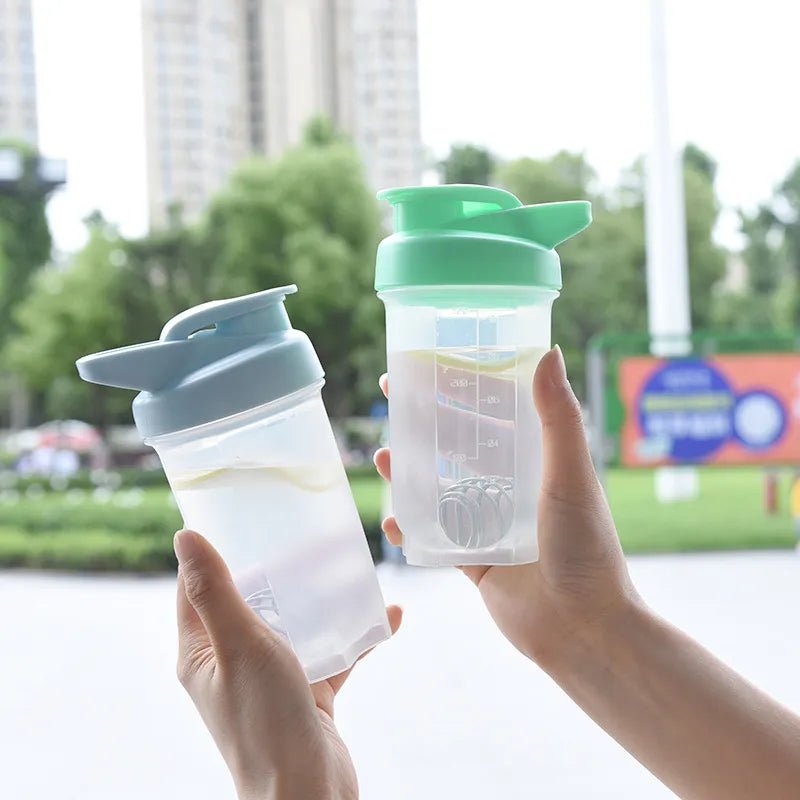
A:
x,y
558,374
185,544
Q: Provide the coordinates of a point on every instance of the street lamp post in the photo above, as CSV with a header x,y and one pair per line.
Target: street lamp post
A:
x,y
668,303
20,173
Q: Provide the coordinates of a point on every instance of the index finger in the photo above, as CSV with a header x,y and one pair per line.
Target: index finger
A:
x,y
383,382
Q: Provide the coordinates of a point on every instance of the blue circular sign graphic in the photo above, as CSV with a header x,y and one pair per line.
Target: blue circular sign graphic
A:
x,y
759,419
686,408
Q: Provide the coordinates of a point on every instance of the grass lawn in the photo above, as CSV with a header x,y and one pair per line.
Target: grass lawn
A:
x,y
368,494
727,515
132,529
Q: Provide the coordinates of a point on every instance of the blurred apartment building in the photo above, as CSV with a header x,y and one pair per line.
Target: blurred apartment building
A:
x,y
17,72
226,78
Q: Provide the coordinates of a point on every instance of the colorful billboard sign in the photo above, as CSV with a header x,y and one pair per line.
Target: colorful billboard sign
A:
x,y
726,409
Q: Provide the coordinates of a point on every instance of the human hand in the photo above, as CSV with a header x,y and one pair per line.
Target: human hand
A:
x,y
275,732
581,578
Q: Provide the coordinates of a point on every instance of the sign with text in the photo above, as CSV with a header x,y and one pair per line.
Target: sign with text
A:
x,y
726,409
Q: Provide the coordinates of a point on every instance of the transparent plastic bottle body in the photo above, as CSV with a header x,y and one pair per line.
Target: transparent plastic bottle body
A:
x,y
464,432
268,489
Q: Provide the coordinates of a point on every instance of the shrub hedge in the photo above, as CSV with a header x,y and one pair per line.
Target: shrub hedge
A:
x,y
87,527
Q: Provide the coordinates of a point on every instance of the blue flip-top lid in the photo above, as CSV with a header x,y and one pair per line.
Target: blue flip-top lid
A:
x,y
210,362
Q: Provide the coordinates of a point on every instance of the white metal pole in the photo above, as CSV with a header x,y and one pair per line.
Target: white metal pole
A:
x,y
668,305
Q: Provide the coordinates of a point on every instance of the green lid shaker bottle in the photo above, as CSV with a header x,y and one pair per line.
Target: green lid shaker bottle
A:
x,y
468,280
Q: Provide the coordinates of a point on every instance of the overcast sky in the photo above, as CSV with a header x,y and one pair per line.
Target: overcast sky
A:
x,y
523,77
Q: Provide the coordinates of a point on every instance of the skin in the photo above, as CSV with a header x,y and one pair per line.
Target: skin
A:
x,y
697,725
691,720
274,730
581,575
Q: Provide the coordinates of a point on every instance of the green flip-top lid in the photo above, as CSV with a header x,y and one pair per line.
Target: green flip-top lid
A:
x,y
462,235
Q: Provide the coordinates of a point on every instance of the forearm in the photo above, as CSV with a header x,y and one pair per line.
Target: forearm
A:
x,y
694,723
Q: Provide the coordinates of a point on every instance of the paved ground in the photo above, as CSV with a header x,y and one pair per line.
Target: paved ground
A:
x,y
90,709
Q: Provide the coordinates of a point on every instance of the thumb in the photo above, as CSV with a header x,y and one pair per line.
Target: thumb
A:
x,y
568,472
209,589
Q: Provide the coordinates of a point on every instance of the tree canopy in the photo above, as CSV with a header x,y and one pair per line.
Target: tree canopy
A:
x,y
468,163
310,218
307,218
25,241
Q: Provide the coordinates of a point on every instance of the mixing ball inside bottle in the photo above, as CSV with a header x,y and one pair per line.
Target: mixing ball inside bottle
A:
x,y
478,511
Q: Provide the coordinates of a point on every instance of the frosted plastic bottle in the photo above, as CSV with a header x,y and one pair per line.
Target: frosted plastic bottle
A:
x,y
235,414
468,280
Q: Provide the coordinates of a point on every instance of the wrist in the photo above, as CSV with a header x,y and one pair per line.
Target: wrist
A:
x,y
595,643
285,787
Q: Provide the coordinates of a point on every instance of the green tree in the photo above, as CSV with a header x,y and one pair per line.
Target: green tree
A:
x,y
604,282
165,272
468,163
68,313
114,292
321,131
786,206
698,160
764,270
309,218
24,234
770,297
706,258
754,306
788,197
565,176
603,268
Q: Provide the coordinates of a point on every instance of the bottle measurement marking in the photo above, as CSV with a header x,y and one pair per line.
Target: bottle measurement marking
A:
x,y
461,383
447,378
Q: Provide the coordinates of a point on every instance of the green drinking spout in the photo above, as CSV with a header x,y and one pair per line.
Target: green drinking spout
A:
x,y
547,224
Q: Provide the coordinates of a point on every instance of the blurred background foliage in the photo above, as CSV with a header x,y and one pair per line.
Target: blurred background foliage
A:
x,y
309,218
